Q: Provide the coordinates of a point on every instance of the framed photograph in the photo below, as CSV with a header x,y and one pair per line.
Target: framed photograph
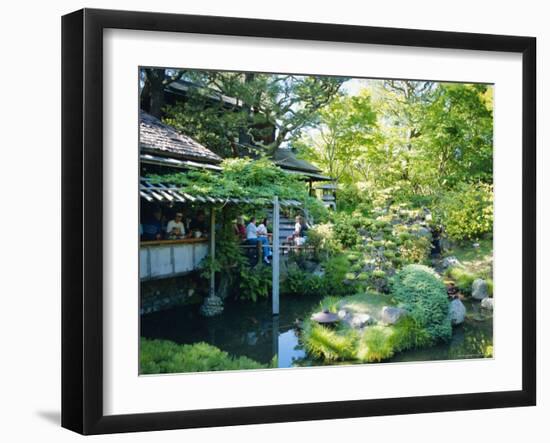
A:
x,y
269,221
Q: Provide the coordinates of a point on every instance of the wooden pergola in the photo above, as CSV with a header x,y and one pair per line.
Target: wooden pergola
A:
x,y
168,193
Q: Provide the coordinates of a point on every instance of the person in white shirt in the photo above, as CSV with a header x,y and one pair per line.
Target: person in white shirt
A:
x,y
175,228
262,229
258,234
252,230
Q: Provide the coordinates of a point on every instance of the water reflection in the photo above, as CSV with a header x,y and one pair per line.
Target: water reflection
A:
x,y
249,329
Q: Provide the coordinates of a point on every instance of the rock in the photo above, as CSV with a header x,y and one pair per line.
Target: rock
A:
x,y
457,312
391,315
211,306
449,262
487,303
318,271
479,289
361,320
423,232
344,315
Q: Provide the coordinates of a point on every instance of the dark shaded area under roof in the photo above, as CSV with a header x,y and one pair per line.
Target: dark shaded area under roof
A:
x,y
158,138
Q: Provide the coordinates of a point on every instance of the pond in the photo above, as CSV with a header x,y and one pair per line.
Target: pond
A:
x,y
247,329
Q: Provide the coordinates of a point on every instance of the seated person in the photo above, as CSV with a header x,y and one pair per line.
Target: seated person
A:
x,y
300,231
253,239
262,229
175,228
152,229
240,228
198,224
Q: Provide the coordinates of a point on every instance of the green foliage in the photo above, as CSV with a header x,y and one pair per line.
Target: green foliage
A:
x,y
408,334
336,269
332,303
288,102
462,278
466,211
255,282
329,344
345,230
420,291
375,345
298,282
378,273
258,180
415,249
321,237
347,129
163,356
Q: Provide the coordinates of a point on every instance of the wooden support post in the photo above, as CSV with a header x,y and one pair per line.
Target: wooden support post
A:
x,y
275,260
212,291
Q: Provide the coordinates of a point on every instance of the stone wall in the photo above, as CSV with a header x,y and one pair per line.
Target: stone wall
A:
x,y
166,293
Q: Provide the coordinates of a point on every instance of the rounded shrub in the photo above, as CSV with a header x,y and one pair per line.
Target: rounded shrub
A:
x,y
422,293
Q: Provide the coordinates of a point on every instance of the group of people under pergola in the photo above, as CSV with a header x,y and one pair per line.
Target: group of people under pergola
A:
x,y
254,234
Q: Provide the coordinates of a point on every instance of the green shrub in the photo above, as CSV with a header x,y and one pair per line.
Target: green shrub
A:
x,y
356,267
363,276
375,345
321,237
164,356
462,278
328,344
389,254
345,230
415,249
378,273
298,282
420,291
466,212
336,269
255,282
407,334
331,303
350,276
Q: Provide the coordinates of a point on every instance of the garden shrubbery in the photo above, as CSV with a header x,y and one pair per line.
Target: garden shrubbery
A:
x,y
164,356
466,212
421,292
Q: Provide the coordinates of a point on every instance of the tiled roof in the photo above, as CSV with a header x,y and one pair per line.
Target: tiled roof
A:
x,y
286,159
160,139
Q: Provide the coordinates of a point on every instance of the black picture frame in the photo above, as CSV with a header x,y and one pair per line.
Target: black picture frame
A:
x,y
82,259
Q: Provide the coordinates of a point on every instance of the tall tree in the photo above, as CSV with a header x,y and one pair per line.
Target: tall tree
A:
x,y
154,82
262,111
345,134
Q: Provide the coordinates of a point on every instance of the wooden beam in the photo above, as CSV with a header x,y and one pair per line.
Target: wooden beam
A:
x,y
275,259
212,291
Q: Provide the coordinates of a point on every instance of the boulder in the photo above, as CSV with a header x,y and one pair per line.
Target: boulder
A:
x,y
344,315
457,312
361,320
449,262
479,289
487,303
390,315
